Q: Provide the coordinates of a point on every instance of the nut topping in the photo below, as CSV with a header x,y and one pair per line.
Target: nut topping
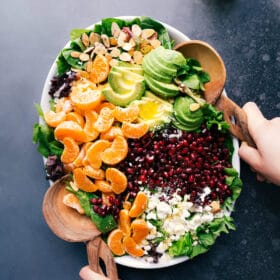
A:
x,y
85,39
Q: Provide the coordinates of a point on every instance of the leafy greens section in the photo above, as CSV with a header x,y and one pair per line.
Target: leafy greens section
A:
x,y
104,224
65,61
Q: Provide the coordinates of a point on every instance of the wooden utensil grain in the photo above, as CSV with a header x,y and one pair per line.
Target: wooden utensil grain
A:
x,y
71,226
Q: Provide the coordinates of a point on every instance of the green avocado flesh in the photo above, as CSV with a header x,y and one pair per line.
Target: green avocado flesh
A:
x,y
185,118
125,85
160,68
164,90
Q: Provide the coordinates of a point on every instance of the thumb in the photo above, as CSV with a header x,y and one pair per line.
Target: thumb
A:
x,y
255,118
250,155
87,274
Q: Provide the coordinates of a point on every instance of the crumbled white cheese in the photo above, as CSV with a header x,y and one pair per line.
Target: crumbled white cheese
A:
x,y
163,210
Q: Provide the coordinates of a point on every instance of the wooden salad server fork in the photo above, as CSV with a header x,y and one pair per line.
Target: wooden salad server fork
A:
x,y
71,226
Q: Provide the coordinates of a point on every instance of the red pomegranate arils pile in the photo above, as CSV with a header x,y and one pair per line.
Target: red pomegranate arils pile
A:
x,y
173,159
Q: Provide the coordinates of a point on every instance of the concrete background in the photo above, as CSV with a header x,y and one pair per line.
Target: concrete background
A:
x,y
246,33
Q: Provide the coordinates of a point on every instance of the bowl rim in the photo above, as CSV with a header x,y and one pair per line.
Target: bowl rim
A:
x,y
178,37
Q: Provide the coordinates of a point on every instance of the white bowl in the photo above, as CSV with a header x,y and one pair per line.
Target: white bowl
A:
x,y
178,37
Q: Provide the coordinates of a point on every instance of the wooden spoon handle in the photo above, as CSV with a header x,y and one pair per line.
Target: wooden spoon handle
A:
x,y
237,119
97,249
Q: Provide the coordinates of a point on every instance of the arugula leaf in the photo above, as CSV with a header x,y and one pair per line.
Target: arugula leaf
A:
x,y
219,225
76,33
206,239
192,75
44,137
71,61
183,246
39,110
214,117
163,36
62,65
197,250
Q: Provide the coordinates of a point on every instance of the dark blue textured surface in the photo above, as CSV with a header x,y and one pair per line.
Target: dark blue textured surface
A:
x,y
246,33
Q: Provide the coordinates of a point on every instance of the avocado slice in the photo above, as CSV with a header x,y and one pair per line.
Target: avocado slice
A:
x,y
136,92
161,65
152,71
164,90
131,67
182,113
117,83
170,57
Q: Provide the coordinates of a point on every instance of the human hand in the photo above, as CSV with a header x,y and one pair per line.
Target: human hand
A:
x,y
87,274
265,159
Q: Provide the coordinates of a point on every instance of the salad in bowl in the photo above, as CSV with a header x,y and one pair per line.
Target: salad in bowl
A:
x,y
153,168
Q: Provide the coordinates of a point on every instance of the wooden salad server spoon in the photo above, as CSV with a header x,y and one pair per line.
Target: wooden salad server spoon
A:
x,y
213,64
71,226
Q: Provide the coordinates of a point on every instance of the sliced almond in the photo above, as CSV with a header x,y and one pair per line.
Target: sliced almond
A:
x,y
115,30
127,47
115,52
155,43
122,38
94,38
132,42
75,54
85,39
89,50
99,48
113,62
136,30
84,57
194,107
147,33
215,206
105,40
74,186
125,57
138,57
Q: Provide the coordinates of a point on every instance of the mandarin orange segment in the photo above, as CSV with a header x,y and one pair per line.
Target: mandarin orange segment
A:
x,y
99,69
140,230
79,161
63,104
128,114
91,117
82,181
105,105
117,179
132,248
71,150
139,205
86,100
70,129
95,153
105,120
72,201
53,119
114,242
124,222
134,130
112,133
103,186
117,152
93,173
76,117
